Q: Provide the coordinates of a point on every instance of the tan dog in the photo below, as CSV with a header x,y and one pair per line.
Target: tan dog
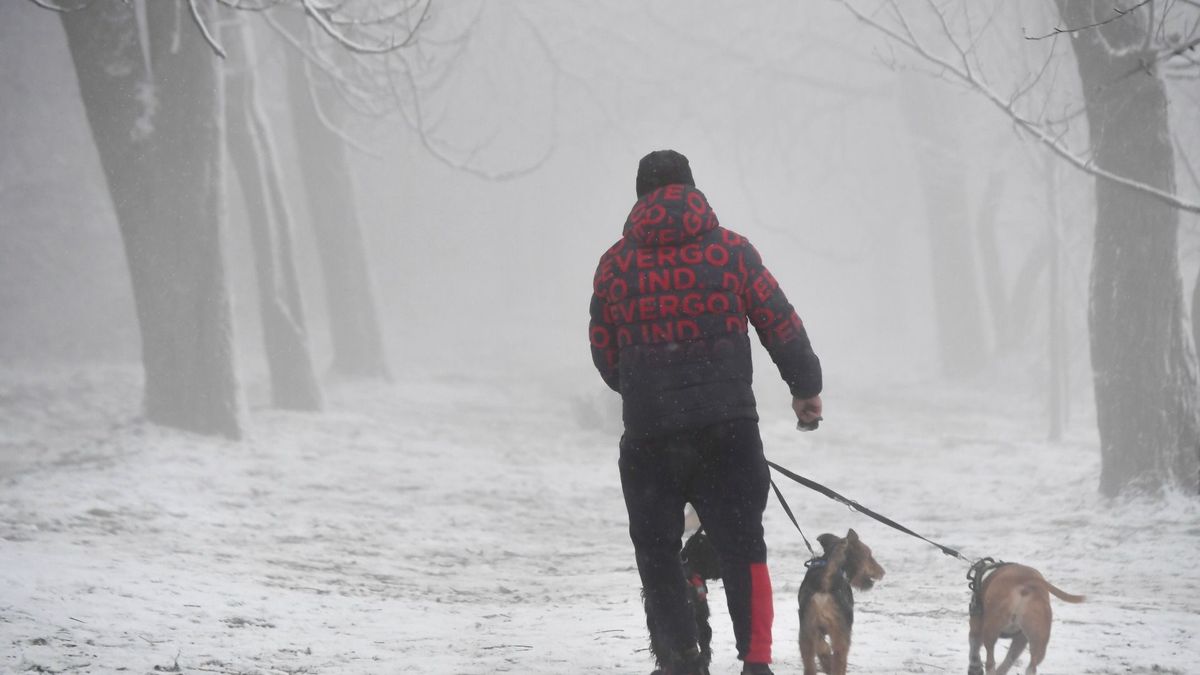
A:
x,y
827,602
1012,601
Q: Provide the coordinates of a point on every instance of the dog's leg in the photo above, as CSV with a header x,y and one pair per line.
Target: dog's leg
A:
x,y
975,666
1014,650
1038,620
825,656
840,643
808,653
1037,652
989,646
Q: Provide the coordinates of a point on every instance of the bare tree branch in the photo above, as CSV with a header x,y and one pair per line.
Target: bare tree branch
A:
x,y
327,123
324,18
441,151
311,57
208,37
986,25
1020,93
244,7
46,4
1033,129
1118,13
386,18
1187,163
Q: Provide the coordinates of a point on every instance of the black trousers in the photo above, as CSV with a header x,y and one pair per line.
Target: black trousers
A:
x,y
721,470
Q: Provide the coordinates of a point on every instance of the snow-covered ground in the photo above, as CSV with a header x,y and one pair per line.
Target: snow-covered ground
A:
x,y
476,526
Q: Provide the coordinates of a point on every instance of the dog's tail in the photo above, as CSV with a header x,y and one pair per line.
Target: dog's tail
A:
x,y
1063,595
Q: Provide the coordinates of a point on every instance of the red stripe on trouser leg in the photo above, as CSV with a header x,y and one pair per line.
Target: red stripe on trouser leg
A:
x,y
762,614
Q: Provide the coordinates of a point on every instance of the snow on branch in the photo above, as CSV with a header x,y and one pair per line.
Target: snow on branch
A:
x,y
203,28
366,26
1118,13
46,4
905,37
376,59
333,25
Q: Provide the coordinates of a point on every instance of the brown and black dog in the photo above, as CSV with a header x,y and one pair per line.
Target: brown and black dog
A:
x,y
1011,601
827,601
700,565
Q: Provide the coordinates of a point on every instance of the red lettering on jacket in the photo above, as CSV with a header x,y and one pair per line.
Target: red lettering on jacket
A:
x,y
762,288
669,306
684,278
617,290
601,338
716,255
623,260
785,332
732,283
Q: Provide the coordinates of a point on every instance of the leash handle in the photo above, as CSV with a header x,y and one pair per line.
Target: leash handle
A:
x,y
813,485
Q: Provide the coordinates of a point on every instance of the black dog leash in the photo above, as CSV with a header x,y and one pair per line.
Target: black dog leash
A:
x,y
788,510
813,485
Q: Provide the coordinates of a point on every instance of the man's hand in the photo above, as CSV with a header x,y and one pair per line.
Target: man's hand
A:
x,y
808,412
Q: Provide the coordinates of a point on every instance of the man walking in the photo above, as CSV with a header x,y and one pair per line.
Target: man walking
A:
x,y
671,308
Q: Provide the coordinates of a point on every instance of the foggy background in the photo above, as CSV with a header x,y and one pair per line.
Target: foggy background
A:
x,y
794,120
452,504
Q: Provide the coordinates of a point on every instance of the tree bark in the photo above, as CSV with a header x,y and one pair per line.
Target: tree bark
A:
x,y
1142,360
153,101
955,279
353,321
285,338
1056,385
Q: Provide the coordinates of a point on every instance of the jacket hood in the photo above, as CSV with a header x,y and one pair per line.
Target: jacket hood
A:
x,y
670,215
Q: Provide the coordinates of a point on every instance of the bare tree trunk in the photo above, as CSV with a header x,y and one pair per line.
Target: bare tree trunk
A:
x,y
989,261
955,279
1196,314
1055,324
1142,359
293,383
153,100
353,322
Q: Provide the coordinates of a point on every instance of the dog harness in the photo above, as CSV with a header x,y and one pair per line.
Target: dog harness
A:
x,y
976,576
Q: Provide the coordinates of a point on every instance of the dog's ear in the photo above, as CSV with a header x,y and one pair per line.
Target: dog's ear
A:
x,y
829,542
852,536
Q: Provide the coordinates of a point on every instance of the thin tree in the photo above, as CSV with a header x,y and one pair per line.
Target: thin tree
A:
x,y
252,151
955,274
333,216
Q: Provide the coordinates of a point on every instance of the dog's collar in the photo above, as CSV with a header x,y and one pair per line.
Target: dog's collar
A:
x,y
816,562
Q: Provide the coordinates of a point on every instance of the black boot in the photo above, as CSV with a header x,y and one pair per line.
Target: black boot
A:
x,y
756,669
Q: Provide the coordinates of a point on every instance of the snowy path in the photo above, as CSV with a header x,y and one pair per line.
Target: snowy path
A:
x,y
463,527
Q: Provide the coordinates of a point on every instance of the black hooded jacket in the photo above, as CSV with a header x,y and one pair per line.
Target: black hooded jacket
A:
x,y
671,307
